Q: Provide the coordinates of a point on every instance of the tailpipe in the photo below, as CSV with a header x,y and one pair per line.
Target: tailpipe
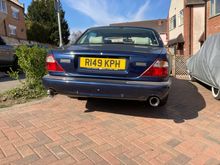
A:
x,y
51,92
154,101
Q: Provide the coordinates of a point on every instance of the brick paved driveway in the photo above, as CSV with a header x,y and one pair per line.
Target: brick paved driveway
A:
x,y
67,131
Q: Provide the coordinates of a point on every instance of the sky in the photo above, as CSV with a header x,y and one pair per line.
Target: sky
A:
x,y
82,14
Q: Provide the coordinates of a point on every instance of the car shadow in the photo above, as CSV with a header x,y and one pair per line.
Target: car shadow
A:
x,y
184,103
6,78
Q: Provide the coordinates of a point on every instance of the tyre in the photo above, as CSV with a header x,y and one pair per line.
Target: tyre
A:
x,y
82,98
216,93
164,101
78,98
15,65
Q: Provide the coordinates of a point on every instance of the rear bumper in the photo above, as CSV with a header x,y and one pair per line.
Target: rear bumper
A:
x,y
102,88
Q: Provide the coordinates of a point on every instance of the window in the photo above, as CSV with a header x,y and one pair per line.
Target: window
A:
x,y
118,35
12,29
3,6
212,7
215,7
15,12
181,17
172,22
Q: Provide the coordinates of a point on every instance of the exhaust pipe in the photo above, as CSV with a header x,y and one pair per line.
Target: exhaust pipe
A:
x,y
51,93
154,101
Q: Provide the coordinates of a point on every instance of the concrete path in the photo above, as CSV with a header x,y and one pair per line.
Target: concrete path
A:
x,y
6,83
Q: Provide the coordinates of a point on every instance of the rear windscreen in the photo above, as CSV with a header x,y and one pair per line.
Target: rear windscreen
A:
x,y
130,36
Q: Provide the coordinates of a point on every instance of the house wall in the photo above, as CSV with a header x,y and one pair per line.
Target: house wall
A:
x,y
19,23
2,28
188,26
159,25
213,23
194,26
164,38
198,27
175,7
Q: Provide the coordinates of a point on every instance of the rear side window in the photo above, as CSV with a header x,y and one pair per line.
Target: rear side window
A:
x,y
120,35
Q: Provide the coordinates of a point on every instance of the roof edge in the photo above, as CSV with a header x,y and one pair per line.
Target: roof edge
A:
x,y
17,3
195,2
116,23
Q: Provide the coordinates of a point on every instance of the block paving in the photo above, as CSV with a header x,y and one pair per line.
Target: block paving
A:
x,y
62,130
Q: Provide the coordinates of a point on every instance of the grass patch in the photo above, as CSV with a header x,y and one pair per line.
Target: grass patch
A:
x,y
4,106
20,95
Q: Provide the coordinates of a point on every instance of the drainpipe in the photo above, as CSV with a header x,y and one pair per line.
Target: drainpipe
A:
x,y
190,30
6,34
205,20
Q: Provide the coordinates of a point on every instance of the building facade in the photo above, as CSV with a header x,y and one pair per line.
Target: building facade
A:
x,y
212,17
176,26
186,22
12,21
159,25
190,23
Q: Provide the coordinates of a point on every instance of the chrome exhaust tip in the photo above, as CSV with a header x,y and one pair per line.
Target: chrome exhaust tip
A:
x,y
154,101
51,92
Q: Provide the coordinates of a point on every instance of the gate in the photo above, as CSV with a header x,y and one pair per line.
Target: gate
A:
x,y
179,69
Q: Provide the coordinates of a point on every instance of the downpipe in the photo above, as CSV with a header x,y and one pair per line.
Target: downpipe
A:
x,y
154,101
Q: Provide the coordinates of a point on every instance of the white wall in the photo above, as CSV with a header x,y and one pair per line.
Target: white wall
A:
x,y
198,26
175,7
164,38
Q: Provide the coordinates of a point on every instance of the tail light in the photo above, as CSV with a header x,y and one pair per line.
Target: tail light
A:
x,y
52,65
160,68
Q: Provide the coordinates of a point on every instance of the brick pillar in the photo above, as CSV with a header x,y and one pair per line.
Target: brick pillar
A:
x,y
188,30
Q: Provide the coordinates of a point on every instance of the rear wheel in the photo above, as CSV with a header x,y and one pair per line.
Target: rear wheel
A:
x,y
78,98
216,93
15,65
164,101
82,98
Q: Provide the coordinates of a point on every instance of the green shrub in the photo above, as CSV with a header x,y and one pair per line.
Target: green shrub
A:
x,y
31,61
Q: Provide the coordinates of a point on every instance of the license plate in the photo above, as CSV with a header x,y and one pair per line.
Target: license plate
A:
x,y
102,63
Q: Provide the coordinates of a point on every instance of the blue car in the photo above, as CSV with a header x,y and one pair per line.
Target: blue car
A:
x,y
111,62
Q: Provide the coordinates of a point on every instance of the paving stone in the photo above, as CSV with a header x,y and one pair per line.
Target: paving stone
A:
x,y
59,152
61,131
182,159
42,151
173,142
212,161
27,160
94,156
25,151
126,160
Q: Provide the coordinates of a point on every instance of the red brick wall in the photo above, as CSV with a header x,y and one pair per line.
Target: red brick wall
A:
x,y
213,23
19,23
187,30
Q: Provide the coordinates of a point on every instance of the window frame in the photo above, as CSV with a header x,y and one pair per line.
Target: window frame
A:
x,y
12,30
3,4
213,8
15,12
172,25
181,17
156,36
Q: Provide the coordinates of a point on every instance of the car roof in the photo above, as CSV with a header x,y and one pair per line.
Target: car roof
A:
x,y
133,27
